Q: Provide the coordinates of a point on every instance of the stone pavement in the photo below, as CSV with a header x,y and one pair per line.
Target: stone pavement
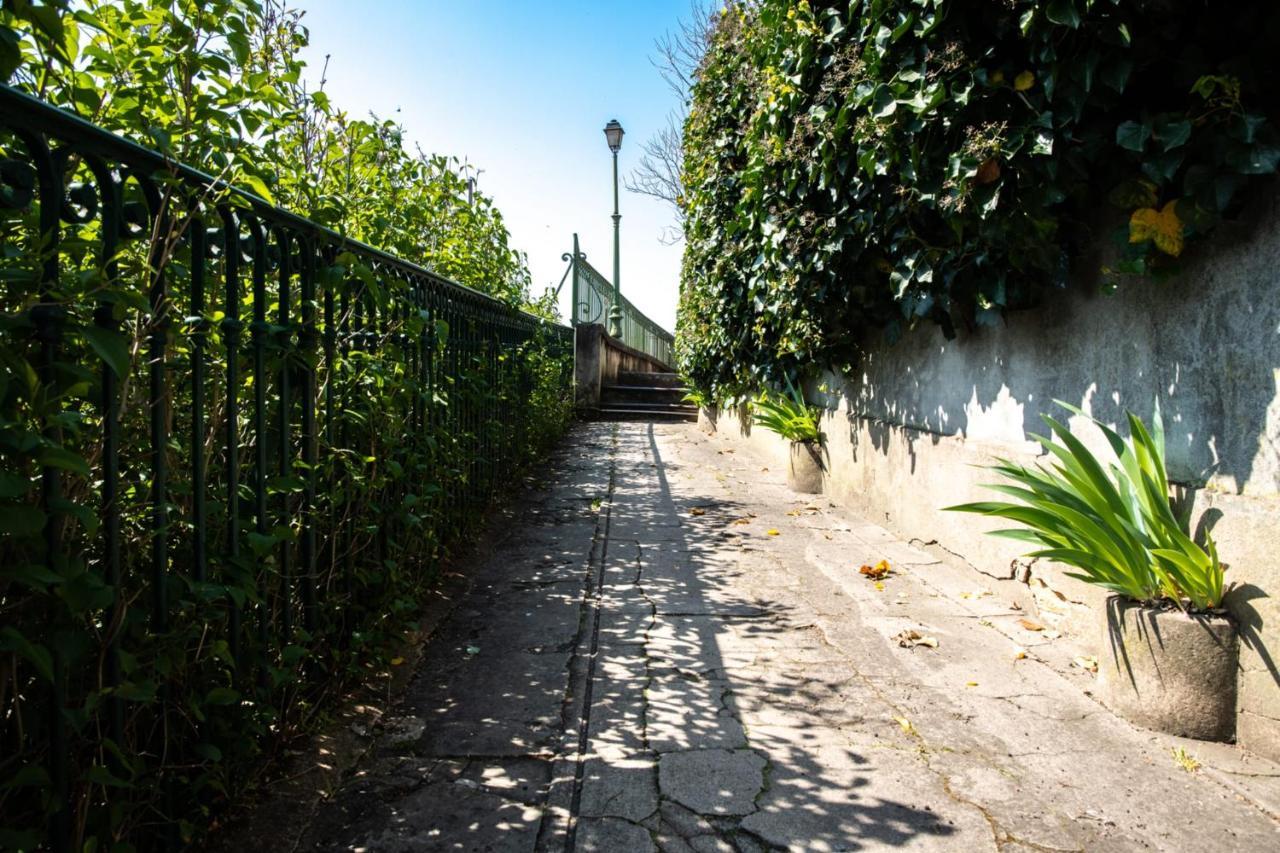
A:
x,y
668,650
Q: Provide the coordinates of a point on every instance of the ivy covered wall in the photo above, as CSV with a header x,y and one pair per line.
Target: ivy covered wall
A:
x,y
856,170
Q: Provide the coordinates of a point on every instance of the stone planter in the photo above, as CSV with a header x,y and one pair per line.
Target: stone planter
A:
x,y
804,473
1169,671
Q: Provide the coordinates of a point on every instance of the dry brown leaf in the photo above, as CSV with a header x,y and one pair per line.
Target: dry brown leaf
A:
x,y
697,510
909,639
1031,624
741,521
876,572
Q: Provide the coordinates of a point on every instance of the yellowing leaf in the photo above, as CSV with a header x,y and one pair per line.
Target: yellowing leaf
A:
x,y
905,725
879,586
971,684
773,531
1031,624
1019,654
876,572
1162,226
1185,760
1024,81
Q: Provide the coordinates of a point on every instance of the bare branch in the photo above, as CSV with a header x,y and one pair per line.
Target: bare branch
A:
x,y
678,53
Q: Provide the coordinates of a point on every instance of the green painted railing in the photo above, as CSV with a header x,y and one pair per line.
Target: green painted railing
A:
x,y
232,444
593,295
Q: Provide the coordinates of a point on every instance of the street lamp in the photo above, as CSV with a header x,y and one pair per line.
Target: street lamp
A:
x,y
613,135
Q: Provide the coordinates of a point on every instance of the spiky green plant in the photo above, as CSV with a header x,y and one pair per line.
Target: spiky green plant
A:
x,y
1115,524
787,414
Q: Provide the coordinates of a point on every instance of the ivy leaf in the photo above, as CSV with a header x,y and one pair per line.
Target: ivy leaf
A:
x,y
1063,12
1173,134
1133,135
1162,226
1024,81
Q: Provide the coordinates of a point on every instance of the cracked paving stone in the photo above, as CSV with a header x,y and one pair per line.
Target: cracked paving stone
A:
x,y
619,787
712,781
611,835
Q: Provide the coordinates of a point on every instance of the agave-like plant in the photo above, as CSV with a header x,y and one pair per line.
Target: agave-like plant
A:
x,y
787,414
1115,524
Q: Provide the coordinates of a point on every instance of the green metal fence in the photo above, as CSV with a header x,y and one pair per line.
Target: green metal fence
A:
x,y
593,296
231,442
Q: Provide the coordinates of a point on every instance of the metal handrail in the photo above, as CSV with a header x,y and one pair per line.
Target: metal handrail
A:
x,y
593,296
248,487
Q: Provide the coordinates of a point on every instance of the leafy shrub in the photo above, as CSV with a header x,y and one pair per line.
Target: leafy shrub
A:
x,y
786,414
175,678
852,170
1115,524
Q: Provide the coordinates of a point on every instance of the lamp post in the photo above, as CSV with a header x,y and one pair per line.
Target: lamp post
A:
x,y
613,135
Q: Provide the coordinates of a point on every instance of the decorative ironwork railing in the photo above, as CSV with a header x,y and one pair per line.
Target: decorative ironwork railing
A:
x,y
231,440
592,298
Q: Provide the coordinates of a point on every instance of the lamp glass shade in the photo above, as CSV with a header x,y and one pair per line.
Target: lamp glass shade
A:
x,y
613,135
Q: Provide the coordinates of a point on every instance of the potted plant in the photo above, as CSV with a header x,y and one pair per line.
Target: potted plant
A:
x,y
1169,650
792,418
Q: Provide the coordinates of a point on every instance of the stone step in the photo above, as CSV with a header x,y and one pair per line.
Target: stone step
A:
x,y
664,380
617,394
669,414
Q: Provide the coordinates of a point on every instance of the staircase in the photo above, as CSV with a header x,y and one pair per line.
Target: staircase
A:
x,y
646,397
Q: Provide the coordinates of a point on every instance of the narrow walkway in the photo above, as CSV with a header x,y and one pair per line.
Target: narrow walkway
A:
x,y
668,650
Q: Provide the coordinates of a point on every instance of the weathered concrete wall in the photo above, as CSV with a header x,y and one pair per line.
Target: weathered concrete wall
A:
x,y
904,433
598,359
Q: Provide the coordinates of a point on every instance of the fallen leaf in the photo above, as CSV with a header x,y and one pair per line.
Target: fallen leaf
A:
x,y
1086,662
879,586
977,593
397,661
876,572
1019,653
986,622
741,521
1185,760
905,725
773,531
793,512
910,639
971,684
1031,624
697,510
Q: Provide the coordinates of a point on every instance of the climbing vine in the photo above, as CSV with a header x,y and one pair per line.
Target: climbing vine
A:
x,y
855,170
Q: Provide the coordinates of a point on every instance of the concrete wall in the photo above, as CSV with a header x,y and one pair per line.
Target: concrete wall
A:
x,y
597,361
904,432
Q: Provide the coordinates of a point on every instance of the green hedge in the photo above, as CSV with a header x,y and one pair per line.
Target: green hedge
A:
x,y
853,170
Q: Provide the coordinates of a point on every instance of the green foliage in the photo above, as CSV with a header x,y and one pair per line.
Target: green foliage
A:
x,y
853,171
786,414
219,84
419,418
1115,524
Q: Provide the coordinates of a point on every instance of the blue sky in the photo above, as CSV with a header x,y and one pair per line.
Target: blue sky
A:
x,y
522,90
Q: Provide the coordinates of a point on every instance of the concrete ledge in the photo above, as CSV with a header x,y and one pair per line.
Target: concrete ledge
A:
x,y
598,359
